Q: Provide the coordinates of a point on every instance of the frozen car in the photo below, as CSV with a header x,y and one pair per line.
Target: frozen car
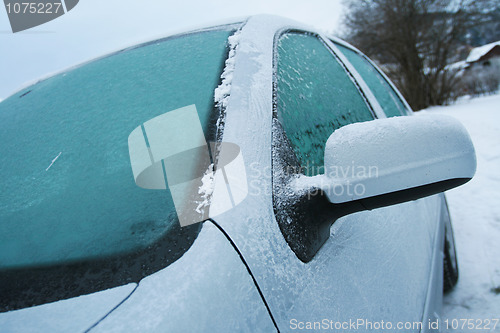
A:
x,y
331,214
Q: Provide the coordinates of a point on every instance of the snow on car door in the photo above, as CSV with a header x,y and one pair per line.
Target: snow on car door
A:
x,y
370,266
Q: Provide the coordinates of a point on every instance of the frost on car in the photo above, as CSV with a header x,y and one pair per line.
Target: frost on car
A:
x,y
342,218
72,219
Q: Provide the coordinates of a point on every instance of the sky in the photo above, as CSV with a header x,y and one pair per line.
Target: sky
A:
x,y
97,27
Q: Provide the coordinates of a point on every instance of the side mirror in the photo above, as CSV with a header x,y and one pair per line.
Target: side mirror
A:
x,y
389,161
369,165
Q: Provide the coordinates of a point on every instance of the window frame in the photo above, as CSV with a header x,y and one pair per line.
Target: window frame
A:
x,y
312,229
335,40
353,75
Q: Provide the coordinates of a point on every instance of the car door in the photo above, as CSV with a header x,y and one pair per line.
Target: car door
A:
x,y
380,262
393,105
371,266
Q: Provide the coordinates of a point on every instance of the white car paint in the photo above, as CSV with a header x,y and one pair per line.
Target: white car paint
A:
x,y
383,264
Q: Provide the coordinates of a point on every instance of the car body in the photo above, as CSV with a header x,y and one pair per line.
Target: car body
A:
x,y
256,267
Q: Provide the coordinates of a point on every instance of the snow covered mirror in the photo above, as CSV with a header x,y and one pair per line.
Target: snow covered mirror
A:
x,y
389,161
369,165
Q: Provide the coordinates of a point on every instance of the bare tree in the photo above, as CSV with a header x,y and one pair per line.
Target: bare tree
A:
x,y
414,40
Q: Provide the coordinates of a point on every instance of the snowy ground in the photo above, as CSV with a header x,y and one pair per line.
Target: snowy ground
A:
x,y
475,211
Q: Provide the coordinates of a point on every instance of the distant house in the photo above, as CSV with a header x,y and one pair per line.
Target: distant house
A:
x,y
480,72
484,56
477,75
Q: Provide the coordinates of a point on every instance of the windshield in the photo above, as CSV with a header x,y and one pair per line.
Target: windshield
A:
x,y
68,194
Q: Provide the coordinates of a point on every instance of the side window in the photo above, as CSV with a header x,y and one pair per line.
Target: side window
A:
x,y
387,98
314,97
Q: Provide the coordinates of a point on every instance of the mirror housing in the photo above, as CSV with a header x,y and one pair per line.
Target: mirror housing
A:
x,y
388,161
370,165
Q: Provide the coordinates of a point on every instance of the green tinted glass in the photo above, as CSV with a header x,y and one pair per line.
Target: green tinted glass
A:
x,y
315,96
387,98
68,193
